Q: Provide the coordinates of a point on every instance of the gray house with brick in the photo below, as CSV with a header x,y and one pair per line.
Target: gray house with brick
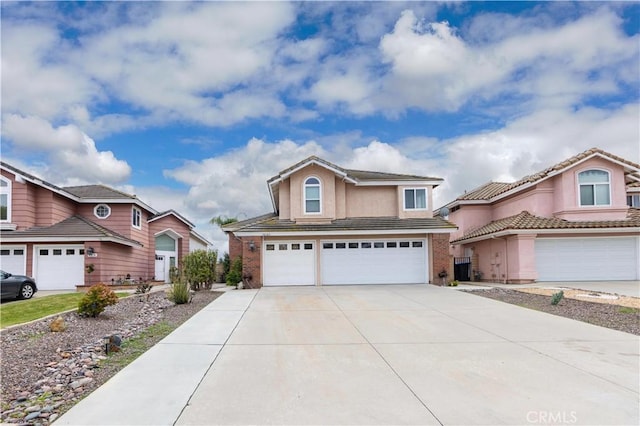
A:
x,y
336,226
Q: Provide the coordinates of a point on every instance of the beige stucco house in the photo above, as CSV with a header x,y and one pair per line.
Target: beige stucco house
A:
x,y
335,226
578,220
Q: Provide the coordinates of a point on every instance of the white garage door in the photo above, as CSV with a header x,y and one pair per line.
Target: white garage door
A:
x,y
13,259
289,263
59,267
374,262
587,259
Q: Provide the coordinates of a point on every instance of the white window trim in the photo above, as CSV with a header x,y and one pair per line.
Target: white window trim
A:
x,y
304,194
404,199
579,185
6,190
635,200
95,210
133,216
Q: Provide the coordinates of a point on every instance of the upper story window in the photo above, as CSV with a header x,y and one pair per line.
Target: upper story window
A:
x,y
633,200
415,199
102,211
5,200
312,195
136,216
594,188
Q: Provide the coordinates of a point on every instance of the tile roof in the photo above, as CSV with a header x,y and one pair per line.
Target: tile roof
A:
x,y
357,175
492,189
97,191
526,221
75,227
271,223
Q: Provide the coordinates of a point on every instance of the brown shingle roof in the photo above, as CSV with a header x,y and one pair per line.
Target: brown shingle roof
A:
x,y
97,191
74,228
526,221
273,224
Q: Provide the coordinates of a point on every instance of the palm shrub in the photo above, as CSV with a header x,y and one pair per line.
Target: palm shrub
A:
x,y
557,297
97,298
199,268
179,293
235,272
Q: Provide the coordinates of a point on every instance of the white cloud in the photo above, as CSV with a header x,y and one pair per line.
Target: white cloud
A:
x,y
73,155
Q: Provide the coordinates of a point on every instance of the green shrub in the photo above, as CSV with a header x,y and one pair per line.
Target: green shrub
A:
x,y
179,293
557,297
97,298
199,268
453,283
235,272
143,288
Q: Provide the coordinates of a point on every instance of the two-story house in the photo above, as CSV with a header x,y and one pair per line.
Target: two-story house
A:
x,y
575,221
84,235
334,226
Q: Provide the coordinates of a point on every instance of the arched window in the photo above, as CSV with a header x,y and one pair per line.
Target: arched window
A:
x,y
312,198
594,188
5,200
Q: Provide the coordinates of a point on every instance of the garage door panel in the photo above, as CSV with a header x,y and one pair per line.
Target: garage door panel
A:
x,y
587,259
59,267
289,263
13,259
373,262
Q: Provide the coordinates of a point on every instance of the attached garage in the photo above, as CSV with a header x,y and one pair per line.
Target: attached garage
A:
x,y
13,259
588,259
59,267
374,262
289,263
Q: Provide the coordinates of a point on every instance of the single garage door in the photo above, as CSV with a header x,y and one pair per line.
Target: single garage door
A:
x,y
13,259
587,259
59,267
289,263
374,262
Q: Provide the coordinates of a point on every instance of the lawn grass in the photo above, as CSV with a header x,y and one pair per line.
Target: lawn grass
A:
x,y
40,307
134,347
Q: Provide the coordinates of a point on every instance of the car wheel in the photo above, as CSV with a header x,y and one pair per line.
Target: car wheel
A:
x,y
26,291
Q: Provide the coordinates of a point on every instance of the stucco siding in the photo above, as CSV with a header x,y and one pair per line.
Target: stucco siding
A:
x,y
369,201
327,186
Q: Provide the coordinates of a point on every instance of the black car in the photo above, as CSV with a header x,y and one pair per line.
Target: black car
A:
x,y
16,286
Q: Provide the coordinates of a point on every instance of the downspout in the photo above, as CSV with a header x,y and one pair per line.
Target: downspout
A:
x,y
506,258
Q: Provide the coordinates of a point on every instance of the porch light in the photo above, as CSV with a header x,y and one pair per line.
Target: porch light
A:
x,y
252,246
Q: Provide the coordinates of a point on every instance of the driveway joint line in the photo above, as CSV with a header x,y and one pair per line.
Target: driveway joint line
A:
x,y
195,389
384,360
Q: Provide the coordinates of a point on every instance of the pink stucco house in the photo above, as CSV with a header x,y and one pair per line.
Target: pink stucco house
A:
x,y
82,235
578,220
335,226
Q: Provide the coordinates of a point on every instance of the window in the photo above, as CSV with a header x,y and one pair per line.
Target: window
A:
x,y
18,252
5,200
44,252
102,211
392,245
312,195
5,252
378,244
365,245
282,246
415,199
295,246
353,245
341,245
594,188
633,200
327,245
416,244
404,244
308,246
57,252
71,252
136,214
271,247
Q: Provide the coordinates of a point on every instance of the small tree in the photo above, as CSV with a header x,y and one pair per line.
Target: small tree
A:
x,y
226,266
235,272
97,298
199,268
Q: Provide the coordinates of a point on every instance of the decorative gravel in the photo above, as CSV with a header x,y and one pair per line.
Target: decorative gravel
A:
x,y
616,317
45,373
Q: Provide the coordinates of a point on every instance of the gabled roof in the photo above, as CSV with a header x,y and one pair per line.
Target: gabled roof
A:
x,y
525,221
171,213
75,228
352,226
492,191
356,177
81,194
97,192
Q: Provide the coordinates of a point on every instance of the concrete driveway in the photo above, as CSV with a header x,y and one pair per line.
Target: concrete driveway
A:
x,y
373,355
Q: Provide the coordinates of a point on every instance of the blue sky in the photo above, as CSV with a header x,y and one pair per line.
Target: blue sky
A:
x,y
193,106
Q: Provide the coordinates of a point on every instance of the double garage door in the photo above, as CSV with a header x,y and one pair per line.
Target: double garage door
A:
x,y
588,259
346,262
